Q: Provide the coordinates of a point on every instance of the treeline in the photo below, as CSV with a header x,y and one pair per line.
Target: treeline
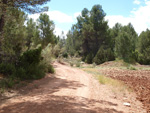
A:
x,y
25,45
93,40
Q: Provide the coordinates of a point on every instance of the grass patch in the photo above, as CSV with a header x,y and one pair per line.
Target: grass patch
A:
x,y
78,64
131,68
7,83
105,80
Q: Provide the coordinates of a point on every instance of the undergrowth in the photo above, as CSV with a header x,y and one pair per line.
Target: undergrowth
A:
x,y
105,80
32,64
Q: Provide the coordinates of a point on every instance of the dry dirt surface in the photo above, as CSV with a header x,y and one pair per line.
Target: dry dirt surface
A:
x,y
70,90
138,80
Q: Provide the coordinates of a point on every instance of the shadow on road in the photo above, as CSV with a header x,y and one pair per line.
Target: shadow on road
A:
x,y
59,104
39,97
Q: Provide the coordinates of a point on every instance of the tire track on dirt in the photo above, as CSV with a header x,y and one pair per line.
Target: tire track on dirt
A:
x,y
70,90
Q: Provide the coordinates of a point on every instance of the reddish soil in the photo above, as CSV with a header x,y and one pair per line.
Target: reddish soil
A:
x,y
70,90
138,80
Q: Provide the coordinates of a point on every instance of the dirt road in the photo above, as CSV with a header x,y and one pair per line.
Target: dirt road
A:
x,y
70,90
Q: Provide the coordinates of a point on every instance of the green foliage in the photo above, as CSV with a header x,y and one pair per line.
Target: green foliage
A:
x,y
29,65
14,36
65,55
24,5
18,56
144,48
73,42
46,27
89,58
125,44
103,55
7,83
88,34
32,38
47,54
51,69
30,57
131,68
56,50
7,69
78,64
71,64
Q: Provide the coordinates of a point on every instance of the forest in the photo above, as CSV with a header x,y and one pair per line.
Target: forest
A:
x,y
92,39
94,68
27,47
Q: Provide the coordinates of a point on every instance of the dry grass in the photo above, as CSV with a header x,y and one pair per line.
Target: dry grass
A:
x,y
105,80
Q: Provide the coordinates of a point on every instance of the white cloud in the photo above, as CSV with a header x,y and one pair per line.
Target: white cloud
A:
x,y
58,31
60,17
139,18
77,14
136,2
57,16
112,20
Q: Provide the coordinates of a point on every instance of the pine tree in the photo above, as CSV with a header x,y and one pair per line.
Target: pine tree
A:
x,y
46,28
144,47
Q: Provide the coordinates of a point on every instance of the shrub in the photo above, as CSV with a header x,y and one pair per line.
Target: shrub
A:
x,y
29,65
71,64
10,82
51,69
144,48
47,54
132,68
77,64
56,50
30,57
65,55
144,59
20,73
7,69
7,83
94,65
83,58
103,55
89,58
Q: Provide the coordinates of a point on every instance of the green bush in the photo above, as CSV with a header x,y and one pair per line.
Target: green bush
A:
x,y
51,69
103,55
10,82
83,58
132,68
71,64
144,48
89,58
7,83
144,58
20,73
31,57
65,55
47,54
30,67
77,64
35,72
7,69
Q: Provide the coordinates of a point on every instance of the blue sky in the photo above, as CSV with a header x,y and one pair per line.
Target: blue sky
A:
x,y
72,6
64,12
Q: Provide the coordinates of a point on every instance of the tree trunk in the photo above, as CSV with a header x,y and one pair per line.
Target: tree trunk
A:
x,y
2,20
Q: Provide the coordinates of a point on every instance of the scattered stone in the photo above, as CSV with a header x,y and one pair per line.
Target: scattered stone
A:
x,y
127,104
